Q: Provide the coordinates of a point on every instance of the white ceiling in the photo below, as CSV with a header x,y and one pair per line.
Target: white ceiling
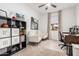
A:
x,y
60,6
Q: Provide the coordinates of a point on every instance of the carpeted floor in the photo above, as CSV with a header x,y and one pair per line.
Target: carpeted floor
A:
x,y
45,48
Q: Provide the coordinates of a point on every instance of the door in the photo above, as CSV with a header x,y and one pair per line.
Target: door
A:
x,y
54,26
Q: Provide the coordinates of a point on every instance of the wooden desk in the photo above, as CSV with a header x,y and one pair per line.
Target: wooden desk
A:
x,y
69,40
72,39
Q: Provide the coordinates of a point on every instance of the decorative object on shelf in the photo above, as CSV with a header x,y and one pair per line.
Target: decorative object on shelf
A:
x,y
20,16
13,24
4,24
34,24
12,15
22,30
15,15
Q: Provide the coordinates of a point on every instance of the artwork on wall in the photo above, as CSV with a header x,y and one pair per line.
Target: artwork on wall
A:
x,y
34,24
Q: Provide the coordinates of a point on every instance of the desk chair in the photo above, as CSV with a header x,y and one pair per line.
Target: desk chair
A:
x,y
61,39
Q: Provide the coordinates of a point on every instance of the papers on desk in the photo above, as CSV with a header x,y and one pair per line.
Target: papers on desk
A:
x,y
65,34
72,34
76,34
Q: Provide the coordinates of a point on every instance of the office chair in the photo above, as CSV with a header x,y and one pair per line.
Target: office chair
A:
x,y
61,39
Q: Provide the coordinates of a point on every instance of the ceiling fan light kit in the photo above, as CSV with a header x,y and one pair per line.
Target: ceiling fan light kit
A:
x,y
47,5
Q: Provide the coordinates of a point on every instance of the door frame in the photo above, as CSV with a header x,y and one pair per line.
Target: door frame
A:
x,y
59,22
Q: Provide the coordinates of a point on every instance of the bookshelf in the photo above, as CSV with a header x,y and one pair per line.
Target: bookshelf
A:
x,y
12,36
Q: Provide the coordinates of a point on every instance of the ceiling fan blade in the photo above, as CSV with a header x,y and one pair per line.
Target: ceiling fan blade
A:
x,y
53,5
46,8
42,5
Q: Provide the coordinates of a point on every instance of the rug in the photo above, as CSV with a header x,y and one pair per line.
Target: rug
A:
x,y
38,52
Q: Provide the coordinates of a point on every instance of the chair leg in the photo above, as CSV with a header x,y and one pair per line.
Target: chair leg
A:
x,y
63,46
60,44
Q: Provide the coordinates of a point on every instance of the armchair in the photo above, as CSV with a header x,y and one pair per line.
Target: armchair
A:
x,y
34,36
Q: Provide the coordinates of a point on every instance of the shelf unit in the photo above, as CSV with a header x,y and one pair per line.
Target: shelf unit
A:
x,y
12,38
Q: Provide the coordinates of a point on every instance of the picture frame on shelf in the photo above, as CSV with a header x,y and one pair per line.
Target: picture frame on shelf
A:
x,y
17,16
20,16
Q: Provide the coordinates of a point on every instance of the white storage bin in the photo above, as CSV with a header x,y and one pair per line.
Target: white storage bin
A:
x,y
4,32
75,49
15,40
6,42
15,31
22,38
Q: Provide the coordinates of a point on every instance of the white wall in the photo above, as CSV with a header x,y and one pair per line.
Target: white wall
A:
x,y
68,19
20,8
77,14
43,22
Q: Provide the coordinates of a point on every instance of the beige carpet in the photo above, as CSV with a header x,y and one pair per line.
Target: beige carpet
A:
x,y
45,48
38,52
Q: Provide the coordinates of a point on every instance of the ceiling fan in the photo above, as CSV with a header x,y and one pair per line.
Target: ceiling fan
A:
x,y
47,5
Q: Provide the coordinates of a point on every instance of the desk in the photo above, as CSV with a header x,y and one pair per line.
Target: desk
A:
x,y
65,33
69,39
